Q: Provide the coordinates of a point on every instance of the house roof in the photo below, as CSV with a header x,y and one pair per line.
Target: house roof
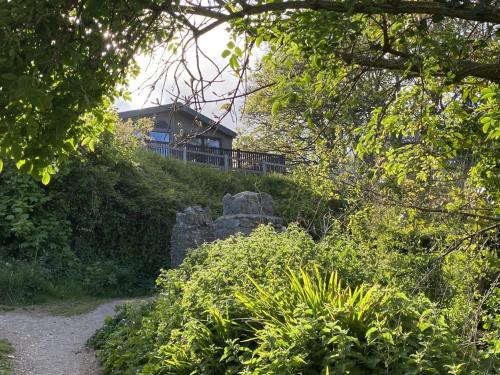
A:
x,y
173,107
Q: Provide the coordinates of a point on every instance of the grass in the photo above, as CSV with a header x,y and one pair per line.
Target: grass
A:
x,y
64,299
74,306
6,308
5,350
67,307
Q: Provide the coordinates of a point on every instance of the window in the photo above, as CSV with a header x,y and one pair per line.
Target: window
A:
x,y
205,142
160,136
212,142
196,141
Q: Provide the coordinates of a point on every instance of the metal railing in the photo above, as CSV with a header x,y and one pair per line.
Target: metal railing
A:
x,y
227,159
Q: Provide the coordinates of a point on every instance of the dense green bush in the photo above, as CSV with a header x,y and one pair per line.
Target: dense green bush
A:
x,y
129,326
208,277
29,230
232,307
314,325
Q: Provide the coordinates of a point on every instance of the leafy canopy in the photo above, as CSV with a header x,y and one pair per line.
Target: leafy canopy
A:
x,y
62,61
60,65
413,95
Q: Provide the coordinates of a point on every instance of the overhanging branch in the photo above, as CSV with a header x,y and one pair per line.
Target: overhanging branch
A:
x,y
485,14
461,69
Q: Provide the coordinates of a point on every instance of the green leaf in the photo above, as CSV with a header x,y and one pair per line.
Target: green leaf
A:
x,y
388,337
370,331
401,178
315,62
233,62
226,53
275,107
1,165
230,45
20,163
45,178
423,326
488,95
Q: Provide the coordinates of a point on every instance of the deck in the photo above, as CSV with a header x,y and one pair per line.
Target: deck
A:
x,y
227,159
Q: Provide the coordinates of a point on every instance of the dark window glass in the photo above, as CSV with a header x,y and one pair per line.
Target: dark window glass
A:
x,y
212,142
195,141
160,136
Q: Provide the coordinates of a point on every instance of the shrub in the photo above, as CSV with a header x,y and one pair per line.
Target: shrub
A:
x,y
127,329
209,277
29,230
20,281
5,365
232,307
314,326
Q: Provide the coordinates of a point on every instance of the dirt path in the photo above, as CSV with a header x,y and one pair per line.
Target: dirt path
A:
x,y
53,345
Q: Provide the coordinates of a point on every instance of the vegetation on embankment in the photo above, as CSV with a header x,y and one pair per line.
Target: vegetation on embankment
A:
x,y
5,350
102,226
281,303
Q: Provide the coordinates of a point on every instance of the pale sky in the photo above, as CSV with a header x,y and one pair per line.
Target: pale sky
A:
x,y
213,44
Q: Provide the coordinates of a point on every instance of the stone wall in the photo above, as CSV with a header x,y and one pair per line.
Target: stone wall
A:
x,y
193,227
242,213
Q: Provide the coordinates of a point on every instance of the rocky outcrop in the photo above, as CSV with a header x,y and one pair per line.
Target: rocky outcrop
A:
x,y
242,213
248,203
193,227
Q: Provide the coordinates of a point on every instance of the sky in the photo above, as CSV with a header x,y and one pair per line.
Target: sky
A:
x,y
213,44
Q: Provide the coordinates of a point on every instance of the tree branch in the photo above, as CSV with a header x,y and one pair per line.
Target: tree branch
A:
x,y
463,68
486,14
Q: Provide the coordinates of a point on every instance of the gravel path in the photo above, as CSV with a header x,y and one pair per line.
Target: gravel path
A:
x,y
53,345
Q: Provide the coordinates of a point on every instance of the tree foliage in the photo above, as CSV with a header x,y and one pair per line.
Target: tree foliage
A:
x,y
61,61
60,66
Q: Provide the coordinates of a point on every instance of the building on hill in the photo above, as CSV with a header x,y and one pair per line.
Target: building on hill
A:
x,y
182,133
178,125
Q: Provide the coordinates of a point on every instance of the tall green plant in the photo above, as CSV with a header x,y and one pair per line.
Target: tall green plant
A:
x,y
314,326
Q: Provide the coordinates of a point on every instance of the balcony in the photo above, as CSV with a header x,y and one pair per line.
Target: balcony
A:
x,y
227,159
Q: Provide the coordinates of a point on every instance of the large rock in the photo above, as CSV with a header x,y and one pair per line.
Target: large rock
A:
x,y
194,215
242,213
193,227
248,203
